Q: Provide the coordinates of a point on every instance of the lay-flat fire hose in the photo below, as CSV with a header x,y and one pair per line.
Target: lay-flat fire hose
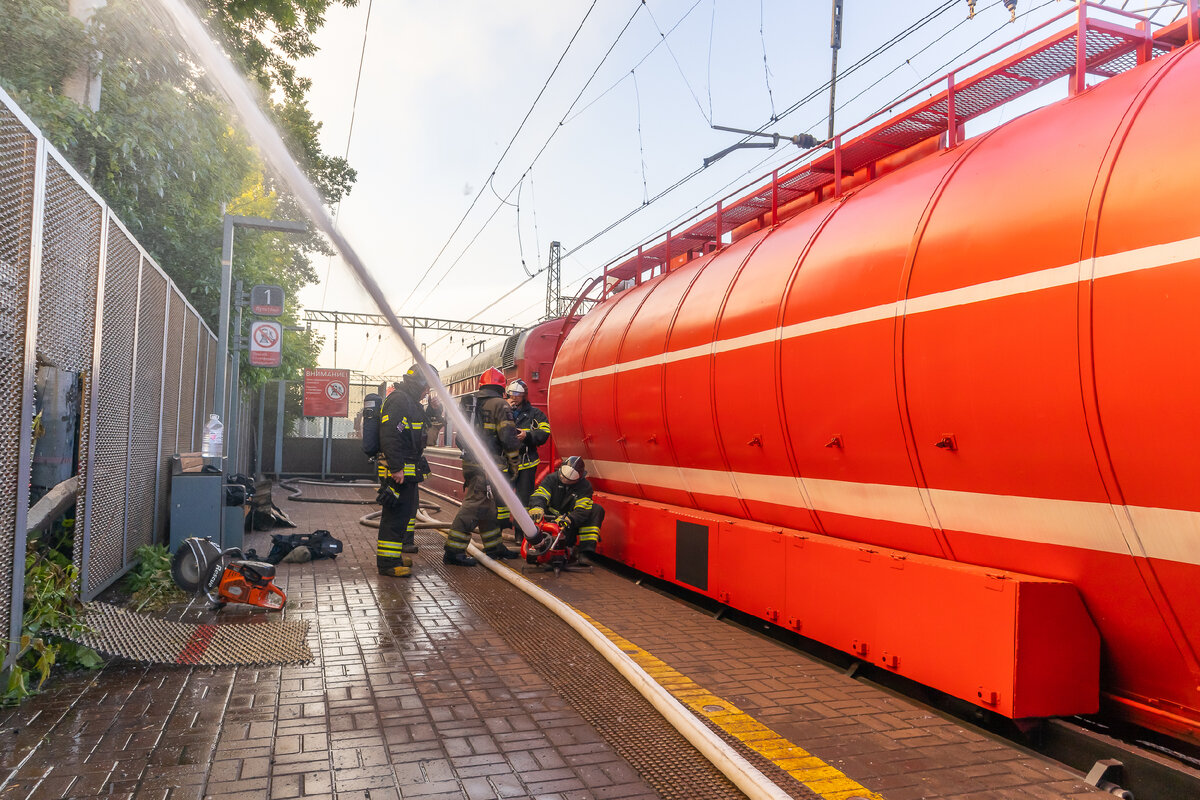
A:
x,y
741,772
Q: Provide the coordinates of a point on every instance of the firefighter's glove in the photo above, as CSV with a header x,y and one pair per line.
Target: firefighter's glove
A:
x,y
423,469
388,497
537,514
563,522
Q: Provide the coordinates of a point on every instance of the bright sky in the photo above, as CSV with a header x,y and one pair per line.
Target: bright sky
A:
x,y
445,86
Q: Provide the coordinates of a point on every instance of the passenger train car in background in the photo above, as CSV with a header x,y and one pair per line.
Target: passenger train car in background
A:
x,y
935,400
527,355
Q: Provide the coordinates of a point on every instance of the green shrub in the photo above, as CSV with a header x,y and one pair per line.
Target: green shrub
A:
x,y
150,582
51,602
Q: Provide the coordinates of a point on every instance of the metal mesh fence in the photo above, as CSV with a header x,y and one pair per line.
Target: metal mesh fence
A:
x,y
101,310
71,239
70,266
187,387
114,386
18,166
172,368
144,419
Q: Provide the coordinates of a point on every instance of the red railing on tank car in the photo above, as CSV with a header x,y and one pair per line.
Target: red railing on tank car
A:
x,y
1091,45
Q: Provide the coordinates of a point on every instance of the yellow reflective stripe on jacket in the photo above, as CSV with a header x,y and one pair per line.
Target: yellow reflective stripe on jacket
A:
x,y
544,426
410,469
416,426
489,426
384,418
583,503
529,464
541,491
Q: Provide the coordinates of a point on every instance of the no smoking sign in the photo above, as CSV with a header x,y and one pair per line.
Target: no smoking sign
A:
x,y
266,344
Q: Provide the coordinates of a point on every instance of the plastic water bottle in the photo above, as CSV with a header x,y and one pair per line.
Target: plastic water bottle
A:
x,y
214,438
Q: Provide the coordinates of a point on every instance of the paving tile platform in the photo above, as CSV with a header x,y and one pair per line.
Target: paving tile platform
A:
x,y
455,684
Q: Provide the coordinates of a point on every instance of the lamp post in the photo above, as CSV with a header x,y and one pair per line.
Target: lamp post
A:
x,y
232,221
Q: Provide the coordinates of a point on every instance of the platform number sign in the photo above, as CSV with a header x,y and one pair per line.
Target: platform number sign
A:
x,y
266,344
266,301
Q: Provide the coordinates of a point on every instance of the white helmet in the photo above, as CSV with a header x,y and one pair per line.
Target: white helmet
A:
x,y
572,470
517,387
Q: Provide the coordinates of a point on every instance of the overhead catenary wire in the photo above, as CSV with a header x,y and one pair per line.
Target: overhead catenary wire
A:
x,y
712,26
499,161
766,64
637,95
362,55
886,46
639,62
550,138
889,44
678,66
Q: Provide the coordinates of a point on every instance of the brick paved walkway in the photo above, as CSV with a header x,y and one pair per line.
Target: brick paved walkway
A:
x,y
412,694
448,685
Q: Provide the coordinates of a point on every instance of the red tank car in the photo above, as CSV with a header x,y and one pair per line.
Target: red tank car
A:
x,y
945,417
527,355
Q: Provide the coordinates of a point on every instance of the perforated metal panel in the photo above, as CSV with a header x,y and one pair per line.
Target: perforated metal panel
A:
x,y
71,233
114,379
143,436
70,266
187,387
18,165
205,366
170,405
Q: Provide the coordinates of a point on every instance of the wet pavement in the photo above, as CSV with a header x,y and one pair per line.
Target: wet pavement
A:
x,y
455,684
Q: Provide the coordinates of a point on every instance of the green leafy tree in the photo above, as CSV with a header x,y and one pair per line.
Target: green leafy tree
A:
x,y
162,150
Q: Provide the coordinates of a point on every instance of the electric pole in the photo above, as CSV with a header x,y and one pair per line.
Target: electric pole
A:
x,y
835,42
554,303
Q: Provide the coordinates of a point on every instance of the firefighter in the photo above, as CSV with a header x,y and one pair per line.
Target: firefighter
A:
x,y
402,440
435,420
565,495
533,429
495,426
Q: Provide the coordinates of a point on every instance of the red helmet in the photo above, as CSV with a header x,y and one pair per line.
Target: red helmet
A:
x,y
492,377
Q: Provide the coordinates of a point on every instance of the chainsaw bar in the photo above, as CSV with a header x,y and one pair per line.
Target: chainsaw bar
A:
x,y
114,631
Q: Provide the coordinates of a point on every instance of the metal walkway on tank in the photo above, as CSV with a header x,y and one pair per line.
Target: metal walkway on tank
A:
x,y
456,684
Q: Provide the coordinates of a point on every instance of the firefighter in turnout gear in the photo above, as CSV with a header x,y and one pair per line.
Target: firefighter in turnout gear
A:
x,y
565,496
402,440
495,425
533,428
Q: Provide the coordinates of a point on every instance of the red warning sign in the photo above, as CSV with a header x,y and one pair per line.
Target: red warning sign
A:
x,y
266,344
326,392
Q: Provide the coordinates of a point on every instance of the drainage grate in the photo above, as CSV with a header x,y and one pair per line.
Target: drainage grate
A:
x,y
150,640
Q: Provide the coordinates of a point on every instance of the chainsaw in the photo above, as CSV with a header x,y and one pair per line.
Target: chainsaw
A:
x,y
225,576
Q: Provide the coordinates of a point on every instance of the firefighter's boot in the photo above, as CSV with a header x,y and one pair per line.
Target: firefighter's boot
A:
x,y
500,552
457,558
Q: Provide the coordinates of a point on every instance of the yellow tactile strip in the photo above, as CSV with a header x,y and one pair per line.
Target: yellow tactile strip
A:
x,y
827,781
